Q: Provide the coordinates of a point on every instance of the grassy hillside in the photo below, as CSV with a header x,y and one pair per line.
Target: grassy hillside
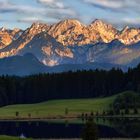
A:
x,y
10,138
58,107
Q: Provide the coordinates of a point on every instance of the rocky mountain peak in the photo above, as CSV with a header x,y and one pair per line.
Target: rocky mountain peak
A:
x,y
106,31
69,23
129,36
22,38
68,32
5,37
38,27
63,26
125,29
29,33
101,24
3,29
15,33
97,22
67,39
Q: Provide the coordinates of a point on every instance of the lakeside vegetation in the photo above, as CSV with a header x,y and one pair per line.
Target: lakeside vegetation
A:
x,y
74,107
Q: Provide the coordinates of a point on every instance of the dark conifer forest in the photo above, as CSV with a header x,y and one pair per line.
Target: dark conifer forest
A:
x,y
68,85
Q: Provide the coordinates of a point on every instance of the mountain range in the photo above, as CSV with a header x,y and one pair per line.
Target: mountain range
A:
x,y
68,45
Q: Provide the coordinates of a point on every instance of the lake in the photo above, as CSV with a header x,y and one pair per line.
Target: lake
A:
x,y
44,129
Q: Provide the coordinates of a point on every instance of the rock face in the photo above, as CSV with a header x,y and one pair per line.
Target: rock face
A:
x,y
15,33
71,42
70,33
46,49
73,33
129,36
7,36
106,32
37,41
19,43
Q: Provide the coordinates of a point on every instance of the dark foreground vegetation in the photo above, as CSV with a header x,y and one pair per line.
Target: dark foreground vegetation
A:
x,y
90,131
69,85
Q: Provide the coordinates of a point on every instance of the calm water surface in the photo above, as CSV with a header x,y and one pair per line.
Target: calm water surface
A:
x,y
43,129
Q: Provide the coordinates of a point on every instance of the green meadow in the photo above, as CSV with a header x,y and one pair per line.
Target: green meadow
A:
x,y
11,138
56,108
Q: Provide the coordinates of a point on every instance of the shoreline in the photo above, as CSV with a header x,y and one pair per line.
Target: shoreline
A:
x,y
4,137
64,118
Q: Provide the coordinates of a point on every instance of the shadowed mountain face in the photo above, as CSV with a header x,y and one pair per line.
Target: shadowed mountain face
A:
x,y
28,64
21,65
70,43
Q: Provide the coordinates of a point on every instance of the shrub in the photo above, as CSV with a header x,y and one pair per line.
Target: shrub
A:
x,y
90,131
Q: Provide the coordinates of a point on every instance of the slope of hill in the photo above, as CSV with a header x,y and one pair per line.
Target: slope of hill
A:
x,y
21,65
116,53
15,65
57,107
85,66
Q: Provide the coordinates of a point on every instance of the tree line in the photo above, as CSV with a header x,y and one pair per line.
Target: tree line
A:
x,y
68,85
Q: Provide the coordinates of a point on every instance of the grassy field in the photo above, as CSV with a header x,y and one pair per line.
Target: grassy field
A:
x,y
57,108
10,138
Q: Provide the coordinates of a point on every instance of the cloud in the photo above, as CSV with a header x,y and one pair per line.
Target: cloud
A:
x,y
30,19
122,22
62,14
107,3
52,3
52,10
8,7
131,21
117,12
116,5
58,9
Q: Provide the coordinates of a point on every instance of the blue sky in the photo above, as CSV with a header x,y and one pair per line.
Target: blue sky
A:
x,y
22,13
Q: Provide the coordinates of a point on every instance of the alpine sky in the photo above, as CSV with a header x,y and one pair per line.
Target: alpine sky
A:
x,y
22,13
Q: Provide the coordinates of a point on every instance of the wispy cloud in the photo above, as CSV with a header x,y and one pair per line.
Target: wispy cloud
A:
x,y
30,19
54,9
52,3
107,3
58,9
121,12
117,12
120,5
7,7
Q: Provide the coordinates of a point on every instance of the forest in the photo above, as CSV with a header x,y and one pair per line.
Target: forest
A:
x,y
68,85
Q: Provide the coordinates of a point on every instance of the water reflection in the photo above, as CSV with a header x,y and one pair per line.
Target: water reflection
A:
x,y
108,128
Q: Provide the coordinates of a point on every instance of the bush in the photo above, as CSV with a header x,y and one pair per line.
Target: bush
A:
x,y
135,111
90,131
127,111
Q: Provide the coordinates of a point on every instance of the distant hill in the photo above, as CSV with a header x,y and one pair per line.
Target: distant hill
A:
x,y
28,64
21,65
